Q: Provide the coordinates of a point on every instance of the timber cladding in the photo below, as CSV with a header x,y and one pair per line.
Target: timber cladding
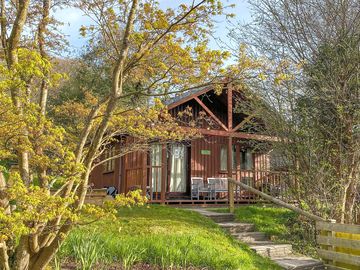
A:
x,y
205,157
100,177
339,244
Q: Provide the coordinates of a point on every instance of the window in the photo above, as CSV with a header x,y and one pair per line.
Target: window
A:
x,y
109,165
223,158
156,167
278,161
246,160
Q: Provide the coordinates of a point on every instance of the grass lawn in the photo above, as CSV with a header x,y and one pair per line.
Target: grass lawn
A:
x,y
159,236
281,224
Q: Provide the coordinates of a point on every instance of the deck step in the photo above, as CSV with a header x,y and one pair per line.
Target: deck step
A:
x,y
237,227
272,250
299,263
249,237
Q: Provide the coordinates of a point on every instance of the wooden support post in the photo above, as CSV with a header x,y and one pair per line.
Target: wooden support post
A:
x,y
163,173
230,184
144,173
229,151
230,107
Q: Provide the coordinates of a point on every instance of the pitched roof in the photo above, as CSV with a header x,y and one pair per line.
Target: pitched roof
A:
x,y
184,96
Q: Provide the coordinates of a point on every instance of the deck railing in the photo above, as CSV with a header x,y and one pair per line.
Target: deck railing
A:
x,y
274,183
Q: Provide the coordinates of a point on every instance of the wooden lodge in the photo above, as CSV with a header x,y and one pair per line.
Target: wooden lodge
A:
x,y
196,171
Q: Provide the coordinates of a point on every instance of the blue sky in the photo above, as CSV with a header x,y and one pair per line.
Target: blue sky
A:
x,y
73,19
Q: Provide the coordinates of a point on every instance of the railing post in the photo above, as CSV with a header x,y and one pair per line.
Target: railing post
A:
x,y
231,196
332,234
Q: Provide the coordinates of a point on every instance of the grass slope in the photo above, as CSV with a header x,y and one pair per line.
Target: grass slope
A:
x,y
281,224
160,236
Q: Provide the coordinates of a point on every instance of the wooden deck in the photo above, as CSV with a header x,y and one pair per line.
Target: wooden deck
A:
x,y
222,201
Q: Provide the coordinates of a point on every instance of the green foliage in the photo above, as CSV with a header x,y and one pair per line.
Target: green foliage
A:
x,y
166,237
87,250
33,203
164,56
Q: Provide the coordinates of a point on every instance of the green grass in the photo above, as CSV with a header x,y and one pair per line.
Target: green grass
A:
x,y
273,221
166,237
280,224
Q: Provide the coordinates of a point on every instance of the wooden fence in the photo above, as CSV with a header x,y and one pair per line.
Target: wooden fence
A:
x,y
339,244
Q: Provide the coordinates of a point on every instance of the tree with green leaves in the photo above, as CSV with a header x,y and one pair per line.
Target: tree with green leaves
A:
x,y
314,112
150,51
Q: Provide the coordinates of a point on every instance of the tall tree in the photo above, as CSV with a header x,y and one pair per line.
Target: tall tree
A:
x,y
157,52
315,114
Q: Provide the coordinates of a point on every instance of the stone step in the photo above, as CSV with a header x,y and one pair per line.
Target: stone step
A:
x,y
249,237
237,227
299,263
282,254
272,250
222,218
217,217
258,243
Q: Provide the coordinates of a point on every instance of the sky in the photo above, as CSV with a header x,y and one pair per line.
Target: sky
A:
x,y
73,19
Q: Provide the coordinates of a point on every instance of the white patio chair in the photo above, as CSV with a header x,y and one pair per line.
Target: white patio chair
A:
x,y
218,185
197,187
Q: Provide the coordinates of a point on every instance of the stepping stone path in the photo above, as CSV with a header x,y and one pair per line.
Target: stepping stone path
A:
x,y
282,254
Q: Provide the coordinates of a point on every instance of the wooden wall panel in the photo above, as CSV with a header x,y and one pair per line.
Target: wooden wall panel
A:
x,y
209,165
101,179
134,172
203,165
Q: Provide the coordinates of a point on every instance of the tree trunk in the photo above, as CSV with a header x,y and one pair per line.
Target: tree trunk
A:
x,y
22,254
47,253
350,201
4,258
4,203
343,201
117,89
44,86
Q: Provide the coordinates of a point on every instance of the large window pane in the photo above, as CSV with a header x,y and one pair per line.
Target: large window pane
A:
x,y
246,159
156,160
223,157
109,165
156,155
178,168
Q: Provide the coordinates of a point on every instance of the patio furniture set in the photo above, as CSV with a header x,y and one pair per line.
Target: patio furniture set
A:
x,y
208,190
